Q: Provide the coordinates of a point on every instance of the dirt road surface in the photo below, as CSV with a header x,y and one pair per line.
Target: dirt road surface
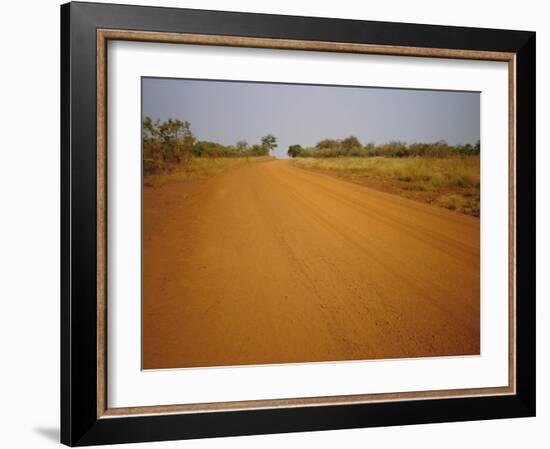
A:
x,y
269,263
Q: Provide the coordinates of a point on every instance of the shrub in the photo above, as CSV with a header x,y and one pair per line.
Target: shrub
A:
x,y
169,145
351,147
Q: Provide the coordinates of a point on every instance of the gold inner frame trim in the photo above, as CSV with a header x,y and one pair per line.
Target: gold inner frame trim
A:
x,y
103,36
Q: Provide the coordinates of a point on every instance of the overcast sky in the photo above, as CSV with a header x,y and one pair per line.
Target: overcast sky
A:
x,y
228,111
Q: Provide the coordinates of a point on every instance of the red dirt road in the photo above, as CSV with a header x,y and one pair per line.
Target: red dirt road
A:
x,y
269,263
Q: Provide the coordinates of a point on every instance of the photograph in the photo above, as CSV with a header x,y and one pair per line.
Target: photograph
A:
x,y
284,221
298,223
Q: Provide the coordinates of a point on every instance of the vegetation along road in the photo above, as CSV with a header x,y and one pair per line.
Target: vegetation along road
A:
x,y
271,263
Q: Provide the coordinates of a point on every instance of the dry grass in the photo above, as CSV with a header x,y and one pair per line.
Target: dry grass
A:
x,y
201,167
451,182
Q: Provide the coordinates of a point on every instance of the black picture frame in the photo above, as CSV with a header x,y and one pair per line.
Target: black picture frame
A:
x,y
80,424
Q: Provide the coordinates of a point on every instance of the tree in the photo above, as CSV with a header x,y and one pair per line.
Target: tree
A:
x,y
258,150
241,146
149,128
269,142
295,150
327,144
349,143
166,144
477,147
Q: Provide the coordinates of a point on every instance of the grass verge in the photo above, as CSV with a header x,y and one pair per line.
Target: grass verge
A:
x,y
451,182
201,167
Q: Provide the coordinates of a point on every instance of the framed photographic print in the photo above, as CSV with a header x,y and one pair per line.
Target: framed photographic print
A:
x,y
277,224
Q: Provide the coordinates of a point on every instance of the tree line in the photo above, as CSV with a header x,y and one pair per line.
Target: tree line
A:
x,y
351,147
170,144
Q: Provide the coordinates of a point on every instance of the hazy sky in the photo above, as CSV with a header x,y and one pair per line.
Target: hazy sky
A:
x,y
228,111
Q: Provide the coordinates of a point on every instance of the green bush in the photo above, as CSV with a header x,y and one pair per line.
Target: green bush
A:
x,y
351,147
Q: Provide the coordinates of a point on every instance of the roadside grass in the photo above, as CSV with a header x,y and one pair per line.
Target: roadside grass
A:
x,y
451,182
201,167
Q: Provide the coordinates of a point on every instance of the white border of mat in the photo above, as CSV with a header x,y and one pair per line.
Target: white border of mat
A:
x,y
128,385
